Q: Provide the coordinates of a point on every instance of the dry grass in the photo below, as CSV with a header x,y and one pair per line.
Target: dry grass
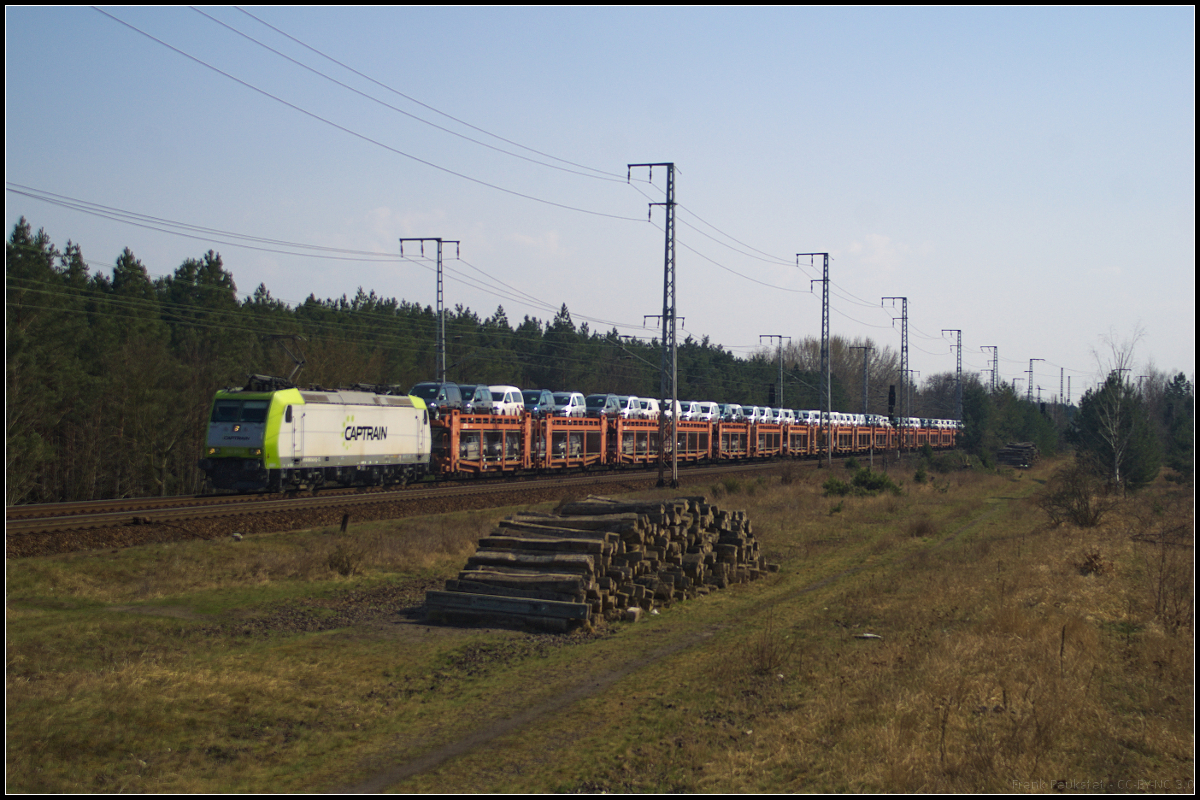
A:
x,y
920,525
160,571
1016,657
1012,654
184,667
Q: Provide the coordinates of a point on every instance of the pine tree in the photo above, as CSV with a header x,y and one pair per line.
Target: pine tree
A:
x,y
1179,417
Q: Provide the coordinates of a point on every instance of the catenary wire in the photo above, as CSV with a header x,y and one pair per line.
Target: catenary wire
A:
x,y
425,105
614,178
364,137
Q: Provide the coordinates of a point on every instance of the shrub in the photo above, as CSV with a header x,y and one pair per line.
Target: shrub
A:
x,y
944,463
346,560
836,487
772,650
874,482
1076,493
865,483
921,526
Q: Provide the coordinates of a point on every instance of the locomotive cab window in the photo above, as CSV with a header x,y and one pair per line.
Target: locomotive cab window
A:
x,y
240,410
255,411
226,410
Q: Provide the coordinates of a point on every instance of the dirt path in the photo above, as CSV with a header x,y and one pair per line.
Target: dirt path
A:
x,y
587,686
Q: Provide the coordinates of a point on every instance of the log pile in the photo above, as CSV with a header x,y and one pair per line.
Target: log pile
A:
x,y
600,559
1018,454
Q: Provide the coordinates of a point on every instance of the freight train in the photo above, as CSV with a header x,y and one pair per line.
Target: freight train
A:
x,y
272,436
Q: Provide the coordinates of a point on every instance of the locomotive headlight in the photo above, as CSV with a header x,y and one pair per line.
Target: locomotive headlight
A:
x,y
258,452
214,451
237,428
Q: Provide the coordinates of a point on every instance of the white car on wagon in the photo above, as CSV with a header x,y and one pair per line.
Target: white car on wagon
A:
x,y
570,404
649,407
507,401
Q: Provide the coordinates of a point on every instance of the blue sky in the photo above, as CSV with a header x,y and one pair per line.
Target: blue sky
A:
x,y
1024,175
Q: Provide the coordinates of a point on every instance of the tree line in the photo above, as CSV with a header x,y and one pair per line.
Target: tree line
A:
x,y
109,377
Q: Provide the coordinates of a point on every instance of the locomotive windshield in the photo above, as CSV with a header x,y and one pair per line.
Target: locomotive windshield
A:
x,y
240,410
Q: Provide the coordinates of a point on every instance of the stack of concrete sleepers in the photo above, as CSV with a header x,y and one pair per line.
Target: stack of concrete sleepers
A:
x,y
599,559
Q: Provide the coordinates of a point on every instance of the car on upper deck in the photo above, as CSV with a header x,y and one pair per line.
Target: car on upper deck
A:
x,y
538,402
507,400
438,397
570,404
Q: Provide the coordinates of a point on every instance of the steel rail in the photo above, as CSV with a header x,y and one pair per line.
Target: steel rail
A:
x,y
77,516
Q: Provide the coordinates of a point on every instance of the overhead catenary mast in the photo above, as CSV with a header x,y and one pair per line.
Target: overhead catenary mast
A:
x,y
1029,383
995,362
441,308
762,336
670,360
866,348
958,393
905,397
826,382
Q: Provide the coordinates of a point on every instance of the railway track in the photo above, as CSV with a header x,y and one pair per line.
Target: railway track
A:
x,y
66,527
134,505
14,515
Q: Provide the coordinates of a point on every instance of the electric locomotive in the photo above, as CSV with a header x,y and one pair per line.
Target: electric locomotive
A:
x,y
271,436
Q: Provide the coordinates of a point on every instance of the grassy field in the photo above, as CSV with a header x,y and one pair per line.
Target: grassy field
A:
x,y
1012,655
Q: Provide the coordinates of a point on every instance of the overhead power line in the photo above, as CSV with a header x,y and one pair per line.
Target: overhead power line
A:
x,y
198,232
410,115
602,173
362,136
218,236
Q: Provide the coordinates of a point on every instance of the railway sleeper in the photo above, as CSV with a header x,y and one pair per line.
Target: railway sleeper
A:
x,y
652,554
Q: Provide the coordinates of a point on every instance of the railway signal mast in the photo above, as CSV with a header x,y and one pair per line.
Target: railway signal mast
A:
x,y
441,308
670,362
1062,372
